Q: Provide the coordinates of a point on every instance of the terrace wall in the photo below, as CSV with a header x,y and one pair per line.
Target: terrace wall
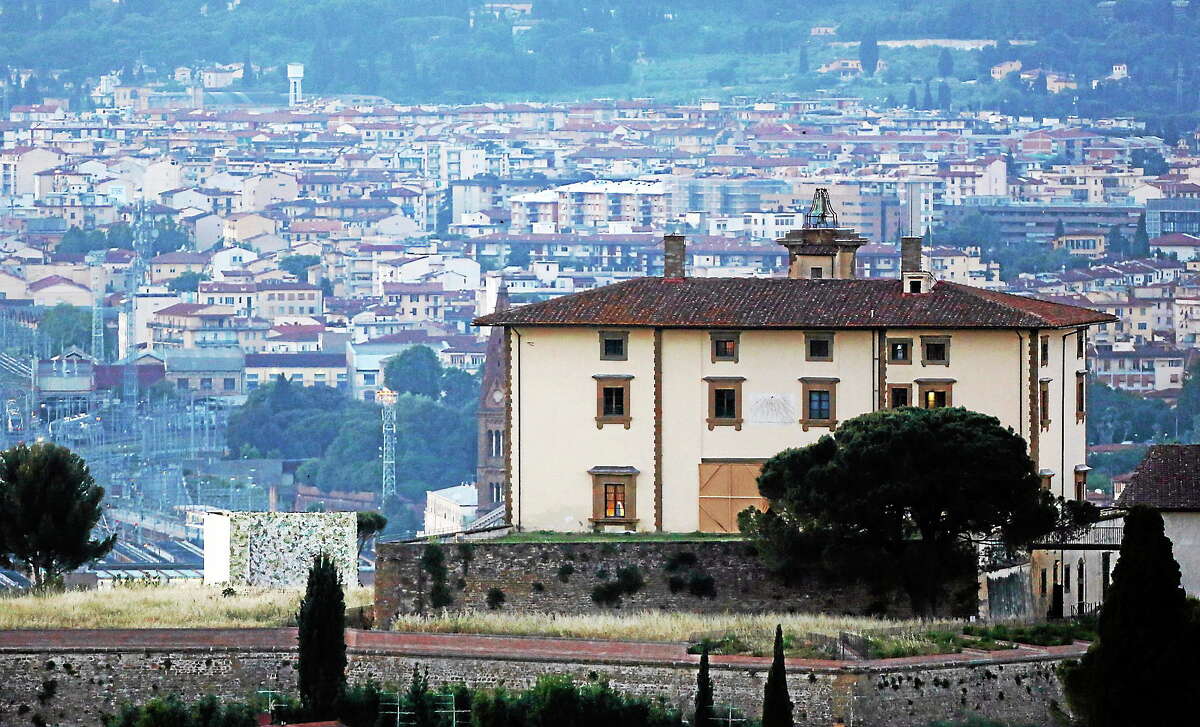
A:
x,y
93,673
560,578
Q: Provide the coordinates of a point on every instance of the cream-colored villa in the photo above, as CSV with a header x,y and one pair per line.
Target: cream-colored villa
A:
x,y
651,404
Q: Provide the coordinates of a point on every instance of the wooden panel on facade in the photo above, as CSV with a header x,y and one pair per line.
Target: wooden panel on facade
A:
x,y
726,489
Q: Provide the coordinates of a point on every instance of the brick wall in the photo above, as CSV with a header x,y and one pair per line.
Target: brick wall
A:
x,y
94,679
560,578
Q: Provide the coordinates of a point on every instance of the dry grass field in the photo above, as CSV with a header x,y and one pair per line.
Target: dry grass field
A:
x,y
141,606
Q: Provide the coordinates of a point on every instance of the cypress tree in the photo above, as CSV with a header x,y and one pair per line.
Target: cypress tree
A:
x,y
1142,669
704,694
912,97
777,705
322,623
927,101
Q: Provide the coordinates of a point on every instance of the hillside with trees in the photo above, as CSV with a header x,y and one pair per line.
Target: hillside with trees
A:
x,y
457,50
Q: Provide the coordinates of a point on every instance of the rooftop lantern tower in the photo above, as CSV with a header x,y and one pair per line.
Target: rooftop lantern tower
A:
x,y
821,249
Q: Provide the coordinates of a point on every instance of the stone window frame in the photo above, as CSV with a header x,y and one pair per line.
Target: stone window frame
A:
x,y
716,383
927,386
1081,344
810,336
1081,483
1044,419
810,384
622,336
898,361
613,475
1080,396
612,381
891,400
1044,351
715,336
925,341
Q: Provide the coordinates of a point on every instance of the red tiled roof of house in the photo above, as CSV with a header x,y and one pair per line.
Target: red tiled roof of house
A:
x,y
54,280
1167,479
793,303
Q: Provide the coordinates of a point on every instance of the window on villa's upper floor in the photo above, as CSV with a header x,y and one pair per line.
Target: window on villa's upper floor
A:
x,y
818,346
935,350
724,346
614,345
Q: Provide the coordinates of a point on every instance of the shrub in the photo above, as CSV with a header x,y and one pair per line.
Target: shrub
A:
x,y
537,587
602,573
680,561
676,584
702,585
630,579
607,594
495,598
564,572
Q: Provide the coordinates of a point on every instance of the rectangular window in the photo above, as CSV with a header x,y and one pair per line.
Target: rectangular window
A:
x,y
614,495
1044,351
819,398
181,384
724,346
1080,396
612,400
1080,343
818,405
899,350
816,273
935,393
935,350
497,491
1081,484
369,379
229,384
818,346
1105,572
724,401
614,345
724,404
899,396
614,500
1044,404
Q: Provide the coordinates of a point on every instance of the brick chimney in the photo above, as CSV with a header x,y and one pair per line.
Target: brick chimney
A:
x,y
914,280
910,254
674,257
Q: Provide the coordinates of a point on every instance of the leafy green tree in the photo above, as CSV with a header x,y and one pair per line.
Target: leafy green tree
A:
x,y
917,488
518,257
66,325
370,523
321,622
868,54
927,99
298,265
1116,243
188,282
1149,638
1116,416
703,716
49,506
460,390
777,704
415,370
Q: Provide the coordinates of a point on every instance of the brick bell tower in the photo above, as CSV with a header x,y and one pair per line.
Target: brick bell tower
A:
x,y
493,398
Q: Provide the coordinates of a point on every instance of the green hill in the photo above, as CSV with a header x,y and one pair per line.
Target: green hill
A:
x,y
455,50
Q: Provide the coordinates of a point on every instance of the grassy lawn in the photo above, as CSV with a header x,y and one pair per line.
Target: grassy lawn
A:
x,y
139,606
726,633
547,536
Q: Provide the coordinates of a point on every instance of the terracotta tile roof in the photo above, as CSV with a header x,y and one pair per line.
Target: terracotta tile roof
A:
x,y
1167,479
789,303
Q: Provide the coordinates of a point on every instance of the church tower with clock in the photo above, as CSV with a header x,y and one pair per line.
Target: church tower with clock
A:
x,y
490,474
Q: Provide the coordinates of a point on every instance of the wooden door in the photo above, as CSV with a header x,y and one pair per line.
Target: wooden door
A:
x,y
727,488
